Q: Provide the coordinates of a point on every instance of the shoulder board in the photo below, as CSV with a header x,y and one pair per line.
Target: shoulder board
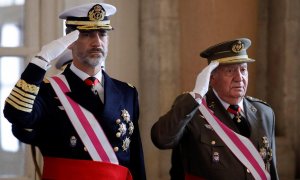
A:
x,y
257,100
46,80
130,85
185,92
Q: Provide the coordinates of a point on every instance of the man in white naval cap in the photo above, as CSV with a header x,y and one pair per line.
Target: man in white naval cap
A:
x,y
84,122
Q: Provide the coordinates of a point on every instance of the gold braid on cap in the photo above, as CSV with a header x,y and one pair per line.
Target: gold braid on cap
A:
x,y
96,20
232,59
86,25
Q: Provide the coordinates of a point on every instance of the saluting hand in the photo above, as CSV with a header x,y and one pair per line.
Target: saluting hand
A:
x,y
202,82
56,47
52,50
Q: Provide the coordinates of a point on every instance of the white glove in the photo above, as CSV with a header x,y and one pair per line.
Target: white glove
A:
x,y
63,59
203,78
52,50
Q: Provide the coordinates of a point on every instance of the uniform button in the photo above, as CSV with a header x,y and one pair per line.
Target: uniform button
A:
x,y
118,121
213,142
85,149
116,149
248,171
118,134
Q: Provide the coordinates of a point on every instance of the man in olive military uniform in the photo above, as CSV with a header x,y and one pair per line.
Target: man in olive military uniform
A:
x,y
84,122
216,131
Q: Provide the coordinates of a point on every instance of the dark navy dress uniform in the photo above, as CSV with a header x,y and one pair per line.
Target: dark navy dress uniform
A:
x,y
38,117
197,149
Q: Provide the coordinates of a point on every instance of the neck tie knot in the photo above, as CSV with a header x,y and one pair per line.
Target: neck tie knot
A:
x,y
240,121
234,109
91,81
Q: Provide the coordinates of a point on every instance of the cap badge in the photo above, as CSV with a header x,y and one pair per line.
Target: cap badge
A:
x,y
237,47
96,13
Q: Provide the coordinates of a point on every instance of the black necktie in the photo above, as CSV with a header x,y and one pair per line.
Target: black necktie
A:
x,y
240,122
92,82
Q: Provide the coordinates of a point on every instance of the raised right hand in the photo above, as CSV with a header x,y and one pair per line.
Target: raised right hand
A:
x,y
203,78
52,50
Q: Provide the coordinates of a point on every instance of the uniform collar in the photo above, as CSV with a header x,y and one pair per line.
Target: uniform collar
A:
x,y
226,105
82,75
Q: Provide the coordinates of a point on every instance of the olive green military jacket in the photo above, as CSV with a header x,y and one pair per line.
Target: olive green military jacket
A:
x,y
197,149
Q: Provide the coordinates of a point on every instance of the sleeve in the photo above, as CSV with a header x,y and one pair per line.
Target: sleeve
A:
x,y
169,129
22,107
136,153
273,168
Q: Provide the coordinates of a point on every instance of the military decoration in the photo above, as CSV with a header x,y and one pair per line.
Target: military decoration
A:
x,y
263,152
253,109
73,141
131,128
238,118
126,115
126,143
122,129
212,105
216,157
125,129
266,152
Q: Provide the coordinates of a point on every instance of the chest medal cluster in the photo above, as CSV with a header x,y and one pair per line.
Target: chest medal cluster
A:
x,y
266,152
125,126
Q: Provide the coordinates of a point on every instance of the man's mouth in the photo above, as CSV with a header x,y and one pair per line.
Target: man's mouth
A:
x,y
238,87
97,51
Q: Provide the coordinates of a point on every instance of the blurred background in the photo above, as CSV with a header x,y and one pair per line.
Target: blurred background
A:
x,y
155,46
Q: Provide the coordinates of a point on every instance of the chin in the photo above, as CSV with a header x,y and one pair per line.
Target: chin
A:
x,y
239,94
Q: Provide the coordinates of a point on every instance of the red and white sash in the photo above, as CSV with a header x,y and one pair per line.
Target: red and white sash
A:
x,y
85,123
239,145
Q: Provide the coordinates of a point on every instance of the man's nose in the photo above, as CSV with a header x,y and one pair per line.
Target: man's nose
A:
x,y
238,76
97,41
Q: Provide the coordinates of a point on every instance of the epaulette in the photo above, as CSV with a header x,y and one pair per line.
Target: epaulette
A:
x,y
257,100
46,80
185,92
130,85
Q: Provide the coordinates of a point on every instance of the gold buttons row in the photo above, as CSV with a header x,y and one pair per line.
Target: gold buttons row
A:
x,y
118,134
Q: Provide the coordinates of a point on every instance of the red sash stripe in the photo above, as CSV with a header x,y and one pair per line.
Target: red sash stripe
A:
x,y
240,146
84,122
